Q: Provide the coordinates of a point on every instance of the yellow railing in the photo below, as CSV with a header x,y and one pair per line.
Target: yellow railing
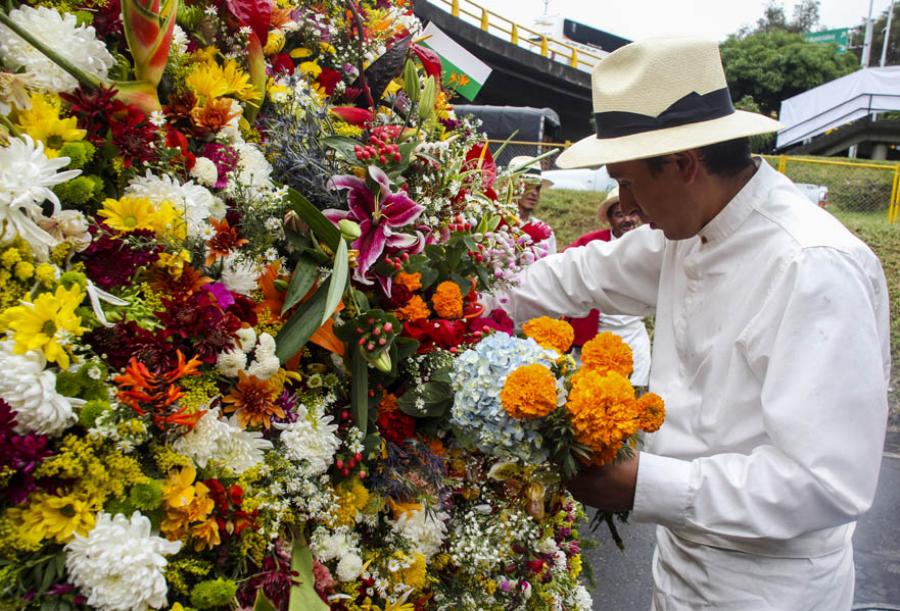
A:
x,y
521,36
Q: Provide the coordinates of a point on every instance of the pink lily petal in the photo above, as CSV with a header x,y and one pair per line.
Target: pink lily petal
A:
x,y
387,284
378,175
334,215
359,199
401,241
370,246
399,210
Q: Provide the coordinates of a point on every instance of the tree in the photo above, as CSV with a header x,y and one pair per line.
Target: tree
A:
x,y
804,19
893,53
806,16
773,66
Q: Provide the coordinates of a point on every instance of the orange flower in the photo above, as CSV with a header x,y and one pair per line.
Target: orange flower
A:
x,y
529,392
550,333
388,404
226,240
273,297
206,535
412,282
254,402
414,309
603,412
607,352
448,300
652,412
214,115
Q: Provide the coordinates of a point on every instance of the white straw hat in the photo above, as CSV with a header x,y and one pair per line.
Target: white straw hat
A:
x,y
661,96
530,167
603,211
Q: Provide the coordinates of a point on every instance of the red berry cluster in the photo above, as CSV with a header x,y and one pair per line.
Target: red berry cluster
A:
x,y
345,464
460,224
398,261
376,337
378,149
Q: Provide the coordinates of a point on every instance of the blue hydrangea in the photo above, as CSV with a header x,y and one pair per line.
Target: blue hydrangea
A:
x,y
478,377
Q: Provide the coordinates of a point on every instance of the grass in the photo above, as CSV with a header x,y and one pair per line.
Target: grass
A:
x,y
572,213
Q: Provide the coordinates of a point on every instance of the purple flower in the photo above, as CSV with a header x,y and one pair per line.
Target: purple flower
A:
x,y
20,453
379,214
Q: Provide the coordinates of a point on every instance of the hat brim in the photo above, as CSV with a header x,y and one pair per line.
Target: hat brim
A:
x,y
593,151
603,210
546,183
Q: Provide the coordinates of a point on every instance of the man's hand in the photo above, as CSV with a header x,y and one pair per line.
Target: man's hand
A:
x,y
608,488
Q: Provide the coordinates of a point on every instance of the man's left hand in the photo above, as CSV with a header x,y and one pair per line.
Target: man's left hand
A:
x,y
608,488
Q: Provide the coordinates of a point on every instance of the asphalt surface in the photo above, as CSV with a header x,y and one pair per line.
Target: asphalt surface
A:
x,y
624,581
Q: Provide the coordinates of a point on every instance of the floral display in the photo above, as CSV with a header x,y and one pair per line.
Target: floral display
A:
x,y
245,364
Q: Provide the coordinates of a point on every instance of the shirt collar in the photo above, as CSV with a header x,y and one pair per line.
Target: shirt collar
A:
x,y
740,207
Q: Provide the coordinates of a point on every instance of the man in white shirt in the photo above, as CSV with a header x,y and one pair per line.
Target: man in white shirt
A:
x,y
771,346
534,182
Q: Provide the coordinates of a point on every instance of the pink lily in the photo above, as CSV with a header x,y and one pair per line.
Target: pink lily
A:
x,y
379,214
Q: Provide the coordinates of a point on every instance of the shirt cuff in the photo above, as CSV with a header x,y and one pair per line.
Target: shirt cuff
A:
x,y
662,493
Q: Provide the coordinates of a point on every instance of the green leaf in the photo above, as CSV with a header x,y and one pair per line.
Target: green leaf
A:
x,y
360,299
294,335
303,596
262,603
313,217
359,389
305,274
343,146
338,282
438,398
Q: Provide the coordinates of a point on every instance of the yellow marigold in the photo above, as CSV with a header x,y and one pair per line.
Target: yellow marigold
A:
x,y
608,352
448,300
529,392
412,282
603,412
652,410
414,309
550,333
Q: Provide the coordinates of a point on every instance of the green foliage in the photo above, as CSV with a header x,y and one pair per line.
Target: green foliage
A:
x,y
773,66
213,593
571,214
761,142
880,23
90,411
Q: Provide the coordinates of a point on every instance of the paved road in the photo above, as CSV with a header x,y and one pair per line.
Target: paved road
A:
x,y
624,581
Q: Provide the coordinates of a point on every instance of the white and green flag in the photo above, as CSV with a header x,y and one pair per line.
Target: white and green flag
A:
x,y
462,71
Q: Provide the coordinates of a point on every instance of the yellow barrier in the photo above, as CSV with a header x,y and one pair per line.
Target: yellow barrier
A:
x,y
551,48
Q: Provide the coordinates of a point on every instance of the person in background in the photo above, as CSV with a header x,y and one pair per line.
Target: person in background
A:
x,y
629,328
530,172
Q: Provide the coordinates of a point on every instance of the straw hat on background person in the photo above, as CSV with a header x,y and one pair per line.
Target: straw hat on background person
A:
x,y
661,96
532,169
612,198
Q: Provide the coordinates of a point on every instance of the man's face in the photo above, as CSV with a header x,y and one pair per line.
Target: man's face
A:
x,y
620,222
659,199
530,197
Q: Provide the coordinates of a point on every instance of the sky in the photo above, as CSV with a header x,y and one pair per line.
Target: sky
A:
x,y
636,19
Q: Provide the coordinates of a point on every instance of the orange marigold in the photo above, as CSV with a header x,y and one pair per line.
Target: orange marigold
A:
x,y
448,300
411,282
607,352
388,404
414,309
652,410
254,401
603,412
529,392
550,333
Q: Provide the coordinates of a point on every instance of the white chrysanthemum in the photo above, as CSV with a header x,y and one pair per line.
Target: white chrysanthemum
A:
x,y
312,441
119,565
60,33
26,181
196,201
239,274
247,337
179,41
583,600
214,439
231,362
253,171
242,450
349,567
205,171
30,390
327,546
266,364
425,530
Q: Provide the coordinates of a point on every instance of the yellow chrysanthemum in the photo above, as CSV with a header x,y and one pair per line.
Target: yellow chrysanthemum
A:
x,y
603,412
47,324
56,517
310,69
42,122
275,42
352,498
414,309
129,213
416,575
652,410
550,333
608,352
210,80
448,300
529,392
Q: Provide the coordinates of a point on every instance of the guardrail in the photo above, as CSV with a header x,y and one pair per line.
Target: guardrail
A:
x,y
520,35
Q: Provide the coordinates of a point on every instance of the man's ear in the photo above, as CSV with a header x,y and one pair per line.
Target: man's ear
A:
x,y
687,164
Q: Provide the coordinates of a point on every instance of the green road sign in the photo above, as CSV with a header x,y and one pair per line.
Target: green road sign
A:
x,y
839,37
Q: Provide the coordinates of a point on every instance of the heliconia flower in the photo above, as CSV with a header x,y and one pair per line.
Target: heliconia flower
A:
x,y
148,29
379,215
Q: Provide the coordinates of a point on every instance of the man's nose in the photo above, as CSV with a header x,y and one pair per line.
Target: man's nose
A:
x,y
627,203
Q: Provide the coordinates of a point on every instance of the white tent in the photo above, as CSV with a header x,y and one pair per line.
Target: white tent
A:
x,y
841,101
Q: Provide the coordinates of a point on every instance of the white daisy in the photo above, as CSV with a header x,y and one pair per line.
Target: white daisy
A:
x,y
61,34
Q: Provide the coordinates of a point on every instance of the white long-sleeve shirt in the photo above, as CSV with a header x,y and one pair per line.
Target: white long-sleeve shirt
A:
x,y
771,351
